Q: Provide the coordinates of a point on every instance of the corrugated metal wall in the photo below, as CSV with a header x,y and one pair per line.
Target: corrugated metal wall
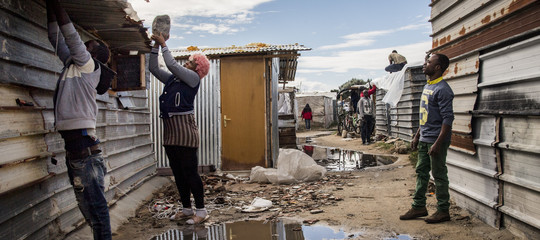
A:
x,y
36,198
494,71
207,115
401,121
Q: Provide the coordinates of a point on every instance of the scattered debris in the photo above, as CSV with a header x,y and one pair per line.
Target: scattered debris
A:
x,y
22,103
310,221
315,211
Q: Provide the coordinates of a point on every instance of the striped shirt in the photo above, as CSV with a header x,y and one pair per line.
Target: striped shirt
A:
x,y
181,130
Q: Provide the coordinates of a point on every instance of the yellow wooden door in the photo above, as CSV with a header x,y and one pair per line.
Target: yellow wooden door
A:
x,y
243,117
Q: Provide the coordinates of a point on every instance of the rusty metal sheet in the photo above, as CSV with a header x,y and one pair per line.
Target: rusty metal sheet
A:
x,y
526,22
463,66
454,13
462,122
484,16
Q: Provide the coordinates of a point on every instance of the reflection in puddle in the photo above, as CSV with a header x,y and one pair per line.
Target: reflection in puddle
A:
x,y
283,229
335,159
400,237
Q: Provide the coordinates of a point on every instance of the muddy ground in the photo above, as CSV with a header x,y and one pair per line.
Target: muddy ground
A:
x,y
368,201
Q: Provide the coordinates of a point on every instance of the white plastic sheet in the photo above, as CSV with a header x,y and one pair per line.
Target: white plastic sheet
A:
x,y
292,166
393,84
284,103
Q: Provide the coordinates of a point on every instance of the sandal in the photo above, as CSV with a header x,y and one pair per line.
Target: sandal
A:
x,y
196,219
180,216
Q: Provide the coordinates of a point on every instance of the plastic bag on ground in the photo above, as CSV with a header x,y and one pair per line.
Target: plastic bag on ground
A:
x,y
292,166
258,205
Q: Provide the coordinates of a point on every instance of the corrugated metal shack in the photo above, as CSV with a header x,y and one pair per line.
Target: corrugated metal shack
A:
x,y
494,48
401,121
36,198
322,109
236,106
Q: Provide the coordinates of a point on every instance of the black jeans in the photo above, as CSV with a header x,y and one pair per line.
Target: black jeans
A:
x,y
184,164
366,128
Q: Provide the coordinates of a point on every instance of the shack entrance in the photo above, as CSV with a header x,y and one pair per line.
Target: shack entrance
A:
x,y
243,112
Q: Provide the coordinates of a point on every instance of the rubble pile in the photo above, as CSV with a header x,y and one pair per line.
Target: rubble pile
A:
x,y
287,200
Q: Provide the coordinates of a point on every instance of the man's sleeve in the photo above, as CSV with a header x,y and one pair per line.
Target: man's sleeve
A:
x,y
446,97
58,42
80,56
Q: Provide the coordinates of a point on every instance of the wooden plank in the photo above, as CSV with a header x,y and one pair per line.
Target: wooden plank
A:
x,y
20,148
18,175
30,10
20,123
19,28
18,74
26,198
33,56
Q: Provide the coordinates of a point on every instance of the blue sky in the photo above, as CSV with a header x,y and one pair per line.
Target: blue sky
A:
x,y
349,38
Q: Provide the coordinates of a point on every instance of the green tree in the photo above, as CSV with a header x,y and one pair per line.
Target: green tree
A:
x,y
353,81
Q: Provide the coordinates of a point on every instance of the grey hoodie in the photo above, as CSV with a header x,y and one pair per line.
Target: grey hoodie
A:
x,y
76,106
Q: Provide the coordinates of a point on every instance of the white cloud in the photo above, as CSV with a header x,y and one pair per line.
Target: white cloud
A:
x,y
368,38
305,85
357,39
221,14
372,59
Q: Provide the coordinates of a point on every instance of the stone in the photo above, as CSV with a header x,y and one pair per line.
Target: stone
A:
x,y
162,24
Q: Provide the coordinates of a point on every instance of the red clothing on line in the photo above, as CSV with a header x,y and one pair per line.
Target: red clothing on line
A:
x,y
370,91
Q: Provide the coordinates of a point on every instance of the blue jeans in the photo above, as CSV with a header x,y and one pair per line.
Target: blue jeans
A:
x,y
308,123
86,176
394,67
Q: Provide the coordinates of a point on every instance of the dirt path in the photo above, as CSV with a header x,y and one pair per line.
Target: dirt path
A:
x,y
368,201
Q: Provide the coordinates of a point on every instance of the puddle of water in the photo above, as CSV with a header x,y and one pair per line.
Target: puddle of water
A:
x,y
400,237
335,159
260,230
